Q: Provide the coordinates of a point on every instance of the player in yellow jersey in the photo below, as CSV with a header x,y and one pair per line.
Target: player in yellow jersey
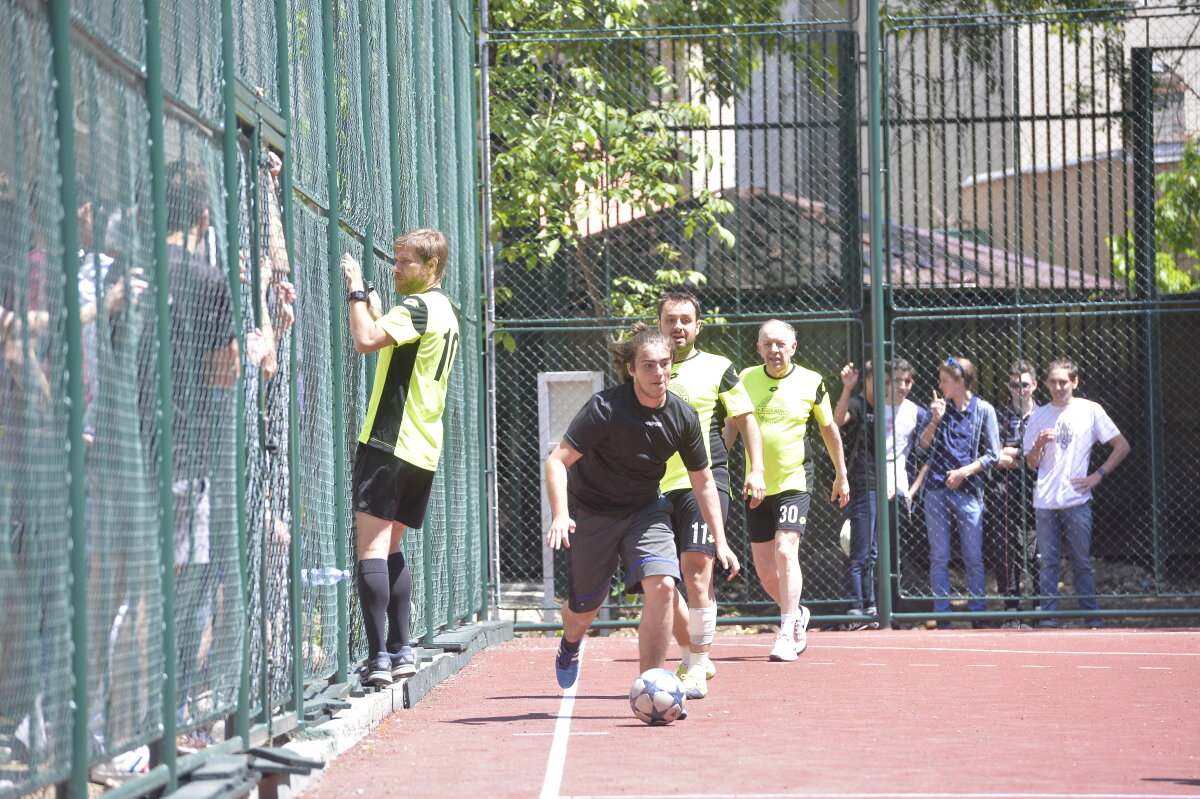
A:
x,y
401,438
785,397
708,383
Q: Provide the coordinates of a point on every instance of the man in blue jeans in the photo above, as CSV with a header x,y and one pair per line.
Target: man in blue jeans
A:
x,y
1058,443
963,443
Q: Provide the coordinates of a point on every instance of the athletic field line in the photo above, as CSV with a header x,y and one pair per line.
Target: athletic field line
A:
x,y
876,796
812,646
558,747
922,795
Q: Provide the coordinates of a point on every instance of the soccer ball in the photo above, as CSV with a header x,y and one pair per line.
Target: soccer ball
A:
x,y
656,697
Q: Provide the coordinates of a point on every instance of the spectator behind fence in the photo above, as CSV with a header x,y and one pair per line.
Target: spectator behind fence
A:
x,y
786,396
1009,539
902,418
204,362
1058,440
962,443
855,415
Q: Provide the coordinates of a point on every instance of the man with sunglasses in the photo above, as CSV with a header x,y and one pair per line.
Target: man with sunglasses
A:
x,y
1009,521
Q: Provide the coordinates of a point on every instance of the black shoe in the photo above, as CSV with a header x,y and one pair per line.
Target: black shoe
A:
x,y
404,663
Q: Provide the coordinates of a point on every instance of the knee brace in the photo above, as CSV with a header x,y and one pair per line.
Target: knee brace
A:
x,y
702,623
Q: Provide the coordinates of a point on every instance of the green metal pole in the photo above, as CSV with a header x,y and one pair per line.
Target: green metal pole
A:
x,y
490,516
260,531
425,161
233,268
164,749
364,94
295,546
336,305
1146,275
393,84
64,102
883,589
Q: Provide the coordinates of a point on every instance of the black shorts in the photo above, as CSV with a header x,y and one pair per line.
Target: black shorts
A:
x,y
691,531
387,487
787,510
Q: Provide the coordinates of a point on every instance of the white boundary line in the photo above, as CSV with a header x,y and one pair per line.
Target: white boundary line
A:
x,y
880,796
558,747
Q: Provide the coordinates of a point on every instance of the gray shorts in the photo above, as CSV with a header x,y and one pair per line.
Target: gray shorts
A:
x,y
643,540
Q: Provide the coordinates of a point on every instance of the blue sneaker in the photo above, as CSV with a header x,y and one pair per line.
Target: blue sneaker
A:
x,y
566,665
379,671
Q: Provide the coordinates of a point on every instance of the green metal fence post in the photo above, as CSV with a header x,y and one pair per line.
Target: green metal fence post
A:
x,y
233,268
877,180
1146,276
391,50
295,546
491,512
466,193
164,749
422,73
336,305
64,102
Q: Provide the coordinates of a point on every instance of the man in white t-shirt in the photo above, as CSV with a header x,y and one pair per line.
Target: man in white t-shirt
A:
x,y
1058,443
902,414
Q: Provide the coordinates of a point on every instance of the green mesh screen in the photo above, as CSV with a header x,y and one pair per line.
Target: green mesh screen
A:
x,y
254,46
308,99
120,378
34,636
318,527
248,302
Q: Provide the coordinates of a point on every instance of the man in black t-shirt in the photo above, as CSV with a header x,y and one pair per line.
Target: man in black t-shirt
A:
x,y
602,481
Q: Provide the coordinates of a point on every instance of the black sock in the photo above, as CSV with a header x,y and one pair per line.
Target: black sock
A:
x,y
373,591
399,602
569,646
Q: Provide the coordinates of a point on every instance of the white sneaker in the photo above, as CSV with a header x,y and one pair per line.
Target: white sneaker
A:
x,y
695,686
710,670
784,649
800,635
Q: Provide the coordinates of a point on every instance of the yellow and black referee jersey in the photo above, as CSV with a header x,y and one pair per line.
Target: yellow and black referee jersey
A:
x,y
711,385
405,413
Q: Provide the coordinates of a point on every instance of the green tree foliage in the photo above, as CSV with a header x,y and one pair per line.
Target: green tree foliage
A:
x,y
593,121
1176,229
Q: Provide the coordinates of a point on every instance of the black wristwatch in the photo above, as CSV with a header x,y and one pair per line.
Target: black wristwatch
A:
x,y
356,296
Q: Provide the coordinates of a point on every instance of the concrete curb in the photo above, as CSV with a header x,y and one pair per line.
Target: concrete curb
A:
x,y
326,741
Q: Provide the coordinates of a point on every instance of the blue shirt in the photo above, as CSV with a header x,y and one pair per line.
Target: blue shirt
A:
x,y
963,437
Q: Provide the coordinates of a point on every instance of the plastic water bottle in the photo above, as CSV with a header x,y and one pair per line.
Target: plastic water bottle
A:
x,y
326,575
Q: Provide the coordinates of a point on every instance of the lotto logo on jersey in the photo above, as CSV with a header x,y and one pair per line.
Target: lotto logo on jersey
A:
x,y
679,390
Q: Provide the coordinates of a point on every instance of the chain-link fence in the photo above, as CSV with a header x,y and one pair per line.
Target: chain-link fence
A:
x,y
179,396
1034,165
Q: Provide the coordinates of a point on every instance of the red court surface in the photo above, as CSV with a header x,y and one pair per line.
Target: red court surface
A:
x,y
1072,713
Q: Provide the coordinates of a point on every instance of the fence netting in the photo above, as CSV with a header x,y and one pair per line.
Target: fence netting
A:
x,y
1034,166
213,350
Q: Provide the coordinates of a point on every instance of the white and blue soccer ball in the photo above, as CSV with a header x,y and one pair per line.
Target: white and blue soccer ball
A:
x,y
657,697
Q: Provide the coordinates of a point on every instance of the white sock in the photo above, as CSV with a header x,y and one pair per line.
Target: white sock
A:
x,y
787,624
699,667
685,655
